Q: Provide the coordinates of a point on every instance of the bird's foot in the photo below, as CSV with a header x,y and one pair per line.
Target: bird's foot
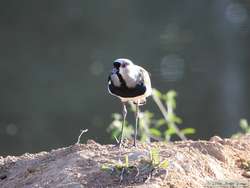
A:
x,y
118,145
135,145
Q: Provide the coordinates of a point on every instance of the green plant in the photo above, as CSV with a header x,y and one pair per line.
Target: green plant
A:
x,y
120,169
116,165
145,166
154,159
245,128
153,164
171,120
151,127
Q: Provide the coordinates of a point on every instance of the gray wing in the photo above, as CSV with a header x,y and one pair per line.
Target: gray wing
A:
x,y
145,79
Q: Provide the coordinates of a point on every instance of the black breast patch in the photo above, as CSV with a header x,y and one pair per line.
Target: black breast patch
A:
x,y
126,92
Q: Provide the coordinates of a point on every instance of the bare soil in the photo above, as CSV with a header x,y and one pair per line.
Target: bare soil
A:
x,y
214,163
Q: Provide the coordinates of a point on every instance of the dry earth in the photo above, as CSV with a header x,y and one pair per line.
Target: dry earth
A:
x,y
214,163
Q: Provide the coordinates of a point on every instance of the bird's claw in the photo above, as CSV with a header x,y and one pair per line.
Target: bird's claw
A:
x,y
118,145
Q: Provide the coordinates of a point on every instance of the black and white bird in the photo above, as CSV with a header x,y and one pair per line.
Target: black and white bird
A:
x,y
129,82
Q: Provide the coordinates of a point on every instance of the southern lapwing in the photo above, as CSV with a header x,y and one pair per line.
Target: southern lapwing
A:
x,y
129,82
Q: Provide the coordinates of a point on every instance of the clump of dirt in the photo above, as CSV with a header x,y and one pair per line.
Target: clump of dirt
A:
x,y
214,163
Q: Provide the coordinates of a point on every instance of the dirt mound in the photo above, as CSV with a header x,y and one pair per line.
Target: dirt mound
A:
x,y
215,163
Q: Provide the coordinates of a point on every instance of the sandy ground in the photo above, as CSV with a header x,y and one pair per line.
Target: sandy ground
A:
x,y
214,163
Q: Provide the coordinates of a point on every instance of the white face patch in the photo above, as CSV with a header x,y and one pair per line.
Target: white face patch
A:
x,y
130,74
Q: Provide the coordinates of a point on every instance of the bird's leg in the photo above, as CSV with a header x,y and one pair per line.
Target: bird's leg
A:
x,y
124,113
137,112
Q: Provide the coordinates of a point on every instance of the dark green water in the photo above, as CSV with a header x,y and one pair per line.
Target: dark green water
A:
x,y
55,57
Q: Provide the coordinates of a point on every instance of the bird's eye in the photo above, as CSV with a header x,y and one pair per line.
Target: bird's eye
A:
x,y
125,64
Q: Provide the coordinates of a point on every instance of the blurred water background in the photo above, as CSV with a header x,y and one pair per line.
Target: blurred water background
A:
x,y
55,57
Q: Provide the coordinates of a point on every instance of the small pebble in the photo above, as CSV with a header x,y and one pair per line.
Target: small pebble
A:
x,y
2,177
216,139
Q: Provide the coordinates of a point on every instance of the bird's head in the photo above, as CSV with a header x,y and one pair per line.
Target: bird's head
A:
x,y
122,64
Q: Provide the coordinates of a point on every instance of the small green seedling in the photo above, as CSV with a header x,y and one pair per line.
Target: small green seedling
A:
x,y
146,166
154,160
120,169
153,164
